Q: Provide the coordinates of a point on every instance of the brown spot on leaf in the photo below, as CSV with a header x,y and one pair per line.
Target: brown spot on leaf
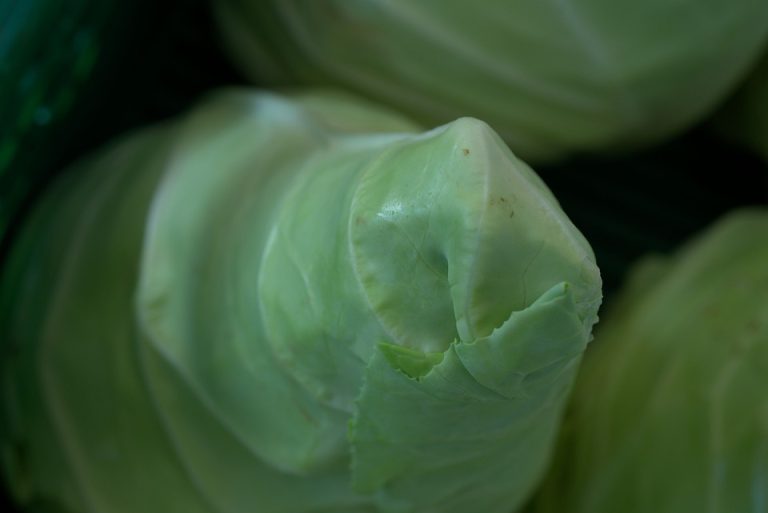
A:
x,y
465,151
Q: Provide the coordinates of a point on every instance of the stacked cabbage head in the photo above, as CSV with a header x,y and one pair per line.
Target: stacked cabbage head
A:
x,y
551,76
291,306
670,413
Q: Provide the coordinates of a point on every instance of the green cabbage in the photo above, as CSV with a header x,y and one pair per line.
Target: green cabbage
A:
x,y
551,76
670,411
291,306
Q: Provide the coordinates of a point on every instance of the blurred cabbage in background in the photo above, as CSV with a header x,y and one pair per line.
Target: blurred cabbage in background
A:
x,y
553,77
670,410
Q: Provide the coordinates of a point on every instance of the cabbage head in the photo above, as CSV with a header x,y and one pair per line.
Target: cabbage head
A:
x,y
553,77
670,411
291,305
